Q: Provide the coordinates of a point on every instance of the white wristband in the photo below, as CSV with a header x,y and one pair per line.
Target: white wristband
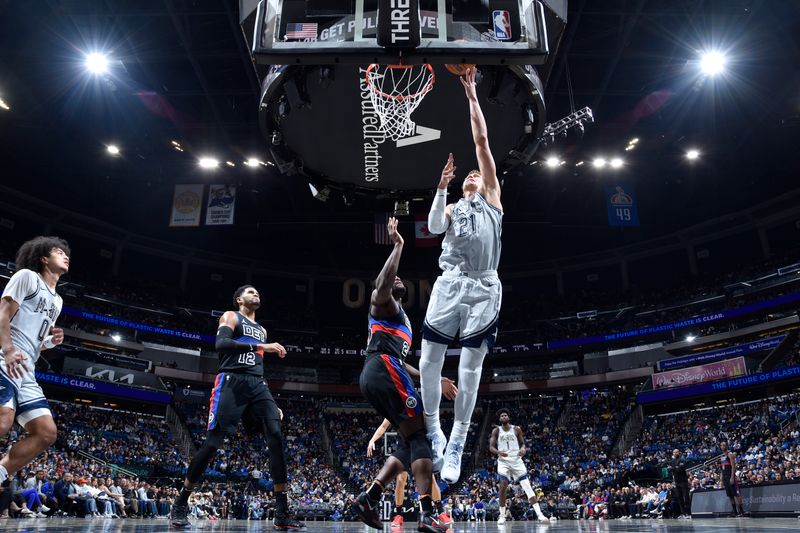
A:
x,y
437,221
48,343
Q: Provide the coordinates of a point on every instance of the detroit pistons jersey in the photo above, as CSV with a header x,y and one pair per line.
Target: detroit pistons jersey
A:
x,y
39,307
507,442
245,361
391,336
472,241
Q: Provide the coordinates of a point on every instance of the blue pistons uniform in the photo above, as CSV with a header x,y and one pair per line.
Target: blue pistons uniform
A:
x,y
384,380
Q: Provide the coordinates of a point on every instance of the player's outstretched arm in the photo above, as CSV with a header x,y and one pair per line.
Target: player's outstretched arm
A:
x,y
385,425
382,295
439,216
480,136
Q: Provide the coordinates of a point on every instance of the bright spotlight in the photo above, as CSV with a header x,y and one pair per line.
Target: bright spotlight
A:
x,y
112,149
208,162
690,338
97,63
4,105
712,63
599,162
116,337
552,162
252,162
634,140
691,155
616,162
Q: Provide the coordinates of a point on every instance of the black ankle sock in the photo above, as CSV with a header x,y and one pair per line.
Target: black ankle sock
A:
x,y
374,491
183,497
741,509
281,502
426,504
398,510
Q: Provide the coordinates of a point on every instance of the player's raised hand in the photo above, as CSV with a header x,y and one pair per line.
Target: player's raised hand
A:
x,y
449,389
468,81
394,236
448,173
370,448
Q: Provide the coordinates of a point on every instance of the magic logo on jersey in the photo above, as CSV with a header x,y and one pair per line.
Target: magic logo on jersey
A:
x,y
50,309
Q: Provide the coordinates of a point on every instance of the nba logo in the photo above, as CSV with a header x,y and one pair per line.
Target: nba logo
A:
x,y
502,25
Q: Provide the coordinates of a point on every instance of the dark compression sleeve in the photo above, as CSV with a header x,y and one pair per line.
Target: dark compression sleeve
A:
x,y
225,342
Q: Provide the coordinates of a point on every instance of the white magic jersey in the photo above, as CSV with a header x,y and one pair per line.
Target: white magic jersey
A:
x,y
472,241
39,307
507,442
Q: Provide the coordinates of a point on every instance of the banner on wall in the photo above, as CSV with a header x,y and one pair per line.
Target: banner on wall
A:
x,y
621,204
725,353
187,203
221,205
728,368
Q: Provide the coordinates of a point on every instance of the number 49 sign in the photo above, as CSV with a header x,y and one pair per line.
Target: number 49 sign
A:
x,y
621,204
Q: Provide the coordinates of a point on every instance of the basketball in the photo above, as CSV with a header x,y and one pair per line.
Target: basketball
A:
x,y
458,69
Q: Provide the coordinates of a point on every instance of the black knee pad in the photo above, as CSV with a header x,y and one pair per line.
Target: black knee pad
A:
x,y
420,447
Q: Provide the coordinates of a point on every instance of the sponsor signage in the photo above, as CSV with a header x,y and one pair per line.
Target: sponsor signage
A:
x,y
701,320
725,353
101,387
128,324
703,389
767,499
110,373
700,374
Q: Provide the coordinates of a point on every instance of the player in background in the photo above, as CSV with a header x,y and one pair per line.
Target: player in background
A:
x,y
508,444
28,311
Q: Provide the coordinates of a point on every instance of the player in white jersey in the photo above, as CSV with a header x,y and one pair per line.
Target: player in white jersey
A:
x,y
465,300
508,444
28,311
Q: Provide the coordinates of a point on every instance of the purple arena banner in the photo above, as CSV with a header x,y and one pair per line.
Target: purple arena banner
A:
x,y
693,322
700,374
717,355
99,387
703,389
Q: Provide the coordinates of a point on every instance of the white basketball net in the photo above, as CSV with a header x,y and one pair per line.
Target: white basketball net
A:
x,y
395,92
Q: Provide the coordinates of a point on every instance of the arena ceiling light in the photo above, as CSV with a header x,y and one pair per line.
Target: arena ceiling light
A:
x,y
116,337
208,162
712,62
616,162
4,105
112,149
690,338
552,162
96,63
693,154
599,162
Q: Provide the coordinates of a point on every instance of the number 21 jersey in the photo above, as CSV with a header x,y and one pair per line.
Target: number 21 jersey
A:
x,y
472,241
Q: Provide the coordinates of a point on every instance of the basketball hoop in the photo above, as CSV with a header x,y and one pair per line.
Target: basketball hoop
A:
x,y
396,91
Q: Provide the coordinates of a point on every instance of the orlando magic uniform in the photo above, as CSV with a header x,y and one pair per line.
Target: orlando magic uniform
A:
x,y
239,388
511,468
466,298
731,489
384,380
39,307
